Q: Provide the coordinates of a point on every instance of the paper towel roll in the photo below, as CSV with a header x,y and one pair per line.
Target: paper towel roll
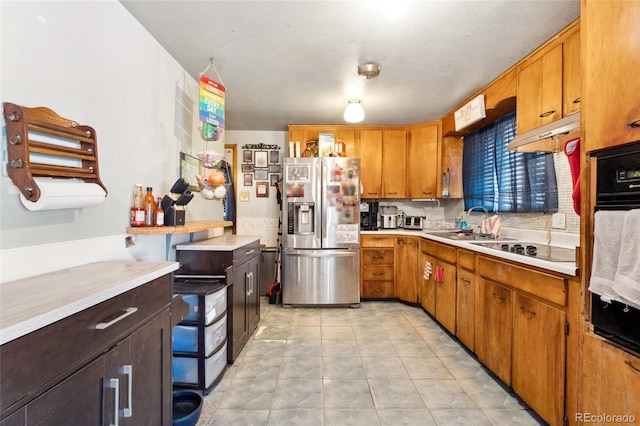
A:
x,y
65,194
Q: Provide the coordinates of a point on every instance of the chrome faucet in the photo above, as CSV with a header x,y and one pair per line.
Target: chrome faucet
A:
x,y
486,212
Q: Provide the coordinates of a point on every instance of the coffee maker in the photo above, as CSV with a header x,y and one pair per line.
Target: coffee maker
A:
x,y
369,216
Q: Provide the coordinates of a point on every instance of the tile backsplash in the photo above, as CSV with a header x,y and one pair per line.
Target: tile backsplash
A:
x,y
450,209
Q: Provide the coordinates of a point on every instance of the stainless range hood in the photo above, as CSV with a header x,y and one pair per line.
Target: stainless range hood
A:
x,y
548,138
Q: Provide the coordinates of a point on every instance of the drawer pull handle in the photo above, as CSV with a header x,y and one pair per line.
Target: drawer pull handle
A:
x,y
103,325
547,113
634,123
128,371
115,384
576,100
500,298
527,311
467,282
392,193
249,251
379,290
630,364
377,274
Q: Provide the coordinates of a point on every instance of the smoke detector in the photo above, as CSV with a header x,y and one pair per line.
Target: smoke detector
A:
x,y
369,71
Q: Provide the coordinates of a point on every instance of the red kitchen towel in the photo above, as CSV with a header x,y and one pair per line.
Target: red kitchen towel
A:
x,y
427,270
572,151
439,277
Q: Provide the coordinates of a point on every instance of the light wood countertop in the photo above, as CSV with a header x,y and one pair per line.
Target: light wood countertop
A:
x,y
187,228
31,303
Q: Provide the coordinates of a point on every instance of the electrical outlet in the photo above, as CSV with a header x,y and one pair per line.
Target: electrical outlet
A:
x,y
558,221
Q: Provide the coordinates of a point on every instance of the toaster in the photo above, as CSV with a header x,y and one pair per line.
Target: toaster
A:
x,y
413,222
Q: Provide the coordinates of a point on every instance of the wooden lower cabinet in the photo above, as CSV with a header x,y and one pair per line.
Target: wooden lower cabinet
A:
x,y
494,328
406,279
539,343
377,270
438,297
610,381
465,303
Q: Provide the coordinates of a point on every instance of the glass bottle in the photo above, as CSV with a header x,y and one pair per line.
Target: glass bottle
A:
x,y
159,215
137,207
149,207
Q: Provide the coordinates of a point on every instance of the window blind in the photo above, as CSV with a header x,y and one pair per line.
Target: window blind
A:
x,y
504,181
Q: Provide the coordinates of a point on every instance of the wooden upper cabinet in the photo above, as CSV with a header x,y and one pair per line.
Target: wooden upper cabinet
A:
x,y
571,74
611,51
539,98
347,135
422,160
394,160
371,163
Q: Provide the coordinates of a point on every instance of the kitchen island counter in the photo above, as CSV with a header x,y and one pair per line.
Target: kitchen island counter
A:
x,y
32,303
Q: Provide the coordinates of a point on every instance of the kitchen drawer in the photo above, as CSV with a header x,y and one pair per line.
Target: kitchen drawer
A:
x,y
185,369
65,345
378,241
441,251
377,273
545,286
377,289
215,302
377,257
467,260
185,337
244,253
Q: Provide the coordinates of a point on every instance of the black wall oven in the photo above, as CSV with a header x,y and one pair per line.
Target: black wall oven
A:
x,y
617,188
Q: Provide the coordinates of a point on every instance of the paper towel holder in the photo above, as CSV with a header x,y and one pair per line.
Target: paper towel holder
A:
x,y
73,144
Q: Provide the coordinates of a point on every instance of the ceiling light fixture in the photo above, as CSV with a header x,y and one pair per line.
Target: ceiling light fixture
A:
x,y
369,71
354,113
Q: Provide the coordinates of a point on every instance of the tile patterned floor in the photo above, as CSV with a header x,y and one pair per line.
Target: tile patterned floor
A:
x,y
384,363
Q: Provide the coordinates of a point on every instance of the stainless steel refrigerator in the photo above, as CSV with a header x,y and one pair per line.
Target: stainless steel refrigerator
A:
x,y
321,236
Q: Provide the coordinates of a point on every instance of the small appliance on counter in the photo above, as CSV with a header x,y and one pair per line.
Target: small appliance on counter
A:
x,y
174,206
390,218
369,216
414,222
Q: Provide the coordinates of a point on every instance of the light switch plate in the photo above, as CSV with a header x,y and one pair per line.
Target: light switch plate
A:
x,y
558,221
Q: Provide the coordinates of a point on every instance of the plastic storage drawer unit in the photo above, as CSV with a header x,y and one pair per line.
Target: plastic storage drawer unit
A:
x,y
186,339
186,370
214,304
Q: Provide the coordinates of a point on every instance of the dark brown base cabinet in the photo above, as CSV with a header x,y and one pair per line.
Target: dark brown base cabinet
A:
x,y
69,373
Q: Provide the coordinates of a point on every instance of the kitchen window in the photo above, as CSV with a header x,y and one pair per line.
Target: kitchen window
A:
x,y
505,181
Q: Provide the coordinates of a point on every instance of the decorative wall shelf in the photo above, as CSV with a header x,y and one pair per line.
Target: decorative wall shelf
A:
x,y
184,229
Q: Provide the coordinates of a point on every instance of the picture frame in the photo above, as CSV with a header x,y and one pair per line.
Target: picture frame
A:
x,y
247,156
260,174
275,168
247,168
248,179
262,189
190,167
274,157
274,179
260,159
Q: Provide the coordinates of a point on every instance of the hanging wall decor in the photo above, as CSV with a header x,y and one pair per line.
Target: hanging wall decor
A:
x,y
211,103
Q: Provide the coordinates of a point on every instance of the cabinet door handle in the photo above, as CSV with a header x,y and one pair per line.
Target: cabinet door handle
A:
x,y
500,298
115,385
527,311
630,364
634,123
127,370
547,113
103,325
392,193
467,282
427,193
576,100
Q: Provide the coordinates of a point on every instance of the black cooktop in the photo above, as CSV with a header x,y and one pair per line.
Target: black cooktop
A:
x,y
539,251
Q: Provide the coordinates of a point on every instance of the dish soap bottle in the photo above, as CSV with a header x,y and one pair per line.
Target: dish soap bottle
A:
x,y
463,223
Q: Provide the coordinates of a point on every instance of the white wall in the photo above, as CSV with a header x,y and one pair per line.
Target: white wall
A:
x,y
258,216
92,62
